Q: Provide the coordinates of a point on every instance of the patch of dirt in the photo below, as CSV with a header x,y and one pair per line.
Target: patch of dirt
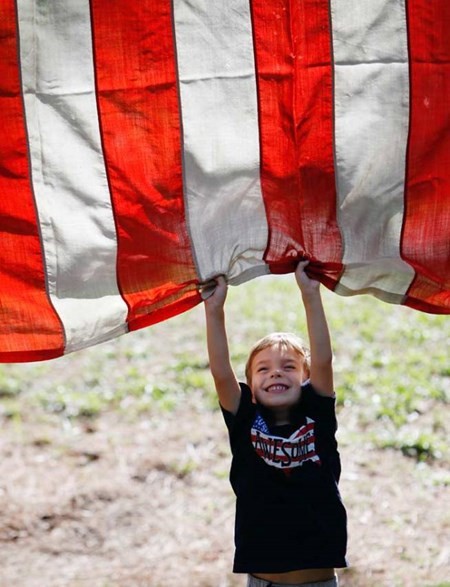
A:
x,y
125,504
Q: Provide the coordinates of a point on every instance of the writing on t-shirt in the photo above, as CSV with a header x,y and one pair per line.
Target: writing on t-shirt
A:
x,y
285,453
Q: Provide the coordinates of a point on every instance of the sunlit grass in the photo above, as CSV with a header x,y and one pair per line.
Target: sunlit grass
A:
x,y
391,364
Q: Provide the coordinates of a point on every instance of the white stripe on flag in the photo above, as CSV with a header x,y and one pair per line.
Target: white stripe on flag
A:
x,y
221,137
69,178
371,133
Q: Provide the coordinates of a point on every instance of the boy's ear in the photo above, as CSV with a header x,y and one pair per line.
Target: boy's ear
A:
x,y
306,373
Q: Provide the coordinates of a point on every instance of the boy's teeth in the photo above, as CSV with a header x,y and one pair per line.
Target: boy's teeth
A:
x,y
277,387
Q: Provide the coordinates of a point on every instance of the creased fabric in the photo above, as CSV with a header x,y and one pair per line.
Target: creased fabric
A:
x,y
146,148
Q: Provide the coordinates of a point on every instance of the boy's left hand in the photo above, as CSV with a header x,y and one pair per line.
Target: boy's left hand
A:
x,y
307,285
216,298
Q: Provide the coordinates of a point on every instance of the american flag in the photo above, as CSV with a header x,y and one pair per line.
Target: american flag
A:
x,y
146,147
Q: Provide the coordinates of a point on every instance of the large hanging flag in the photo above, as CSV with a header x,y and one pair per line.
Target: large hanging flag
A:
x,y
147,147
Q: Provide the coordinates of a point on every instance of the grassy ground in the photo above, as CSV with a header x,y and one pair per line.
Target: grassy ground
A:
x,y
114,459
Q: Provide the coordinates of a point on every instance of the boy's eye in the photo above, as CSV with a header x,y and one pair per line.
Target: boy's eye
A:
x,y
260,369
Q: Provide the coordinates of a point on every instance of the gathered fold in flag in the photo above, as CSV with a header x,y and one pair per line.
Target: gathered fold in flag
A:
x,y
147,147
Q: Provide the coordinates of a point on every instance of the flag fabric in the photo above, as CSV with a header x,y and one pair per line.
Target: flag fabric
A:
x,y
147,147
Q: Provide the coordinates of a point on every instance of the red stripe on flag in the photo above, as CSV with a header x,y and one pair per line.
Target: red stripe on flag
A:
x,y
294,73
426,230
31,330
141,132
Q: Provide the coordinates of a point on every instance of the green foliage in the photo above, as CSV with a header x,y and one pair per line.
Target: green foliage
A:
x,y
422,446
9,385
391,365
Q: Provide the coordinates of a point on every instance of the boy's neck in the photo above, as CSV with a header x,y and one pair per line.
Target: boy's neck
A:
x,y
276,417
279,419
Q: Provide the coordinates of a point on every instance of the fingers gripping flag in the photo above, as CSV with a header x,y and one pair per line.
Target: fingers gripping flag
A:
x,y
146,147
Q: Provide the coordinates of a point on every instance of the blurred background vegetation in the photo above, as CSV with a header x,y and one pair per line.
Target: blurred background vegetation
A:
x,y
392,368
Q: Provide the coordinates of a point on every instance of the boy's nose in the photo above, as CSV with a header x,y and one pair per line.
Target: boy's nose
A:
x,y
276,373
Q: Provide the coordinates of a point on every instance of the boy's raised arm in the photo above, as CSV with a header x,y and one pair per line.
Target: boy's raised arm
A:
x,y
321,372
225,380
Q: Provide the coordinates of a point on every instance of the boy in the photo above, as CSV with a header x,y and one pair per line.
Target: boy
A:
x,y
290,526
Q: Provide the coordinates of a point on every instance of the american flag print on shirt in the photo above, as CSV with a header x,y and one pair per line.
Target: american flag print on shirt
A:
x,y
285,453
147,147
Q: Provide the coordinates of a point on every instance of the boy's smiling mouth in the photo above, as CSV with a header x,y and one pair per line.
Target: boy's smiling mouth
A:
x,y
277,388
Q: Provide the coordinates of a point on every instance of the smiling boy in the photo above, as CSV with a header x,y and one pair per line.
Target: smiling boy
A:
x,y
290,524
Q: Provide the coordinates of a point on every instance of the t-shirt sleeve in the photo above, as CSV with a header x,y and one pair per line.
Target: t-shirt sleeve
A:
x,y
244,409
319,407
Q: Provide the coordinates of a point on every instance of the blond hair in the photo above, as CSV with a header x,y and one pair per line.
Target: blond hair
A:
x,y
281,340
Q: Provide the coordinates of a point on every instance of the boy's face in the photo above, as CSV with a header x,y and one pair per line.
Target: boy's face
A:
x,y
276,378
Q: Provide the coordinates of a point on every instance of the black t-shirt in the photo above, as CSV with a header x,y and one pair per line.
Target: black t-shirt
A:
x,y
289,514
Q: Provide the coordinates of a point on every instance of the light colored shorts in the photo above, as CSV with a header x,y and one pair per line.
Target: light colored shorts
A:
x,y
255,582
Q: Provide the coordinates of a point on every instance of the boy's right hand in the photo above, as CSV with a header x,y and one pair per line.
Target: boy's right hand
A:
x,y
226,384
216,300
